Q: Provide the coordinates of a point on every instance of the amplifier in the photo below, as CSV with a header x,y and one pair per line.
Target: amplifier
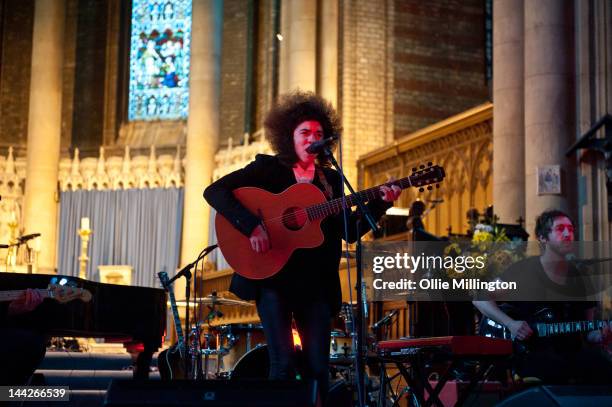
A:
x,y
226,393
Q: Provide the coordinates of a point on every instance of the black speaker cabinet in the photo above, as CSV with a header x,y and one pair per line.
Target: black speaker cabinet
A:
x,y
561,396
226,393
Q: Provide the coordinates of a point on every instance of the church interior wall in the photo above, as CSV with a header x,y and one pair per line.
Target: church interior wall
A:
x,y
439,61
89,73
15,66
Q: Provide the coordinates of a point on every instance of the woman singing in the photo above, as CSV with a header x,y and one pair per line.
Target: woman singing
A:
x,y
307,289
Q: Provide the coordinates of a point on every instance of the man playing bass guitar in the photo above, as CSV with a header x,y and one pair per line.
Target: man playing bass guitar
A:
x,y
558,359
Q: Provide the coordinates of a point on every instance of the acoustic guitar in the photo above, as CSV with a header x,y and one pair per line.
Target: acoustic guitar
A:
x,y
293,219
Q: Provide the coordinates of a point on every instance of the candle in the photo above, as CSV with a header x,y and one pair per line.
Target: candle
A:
x,y
37,244
84,223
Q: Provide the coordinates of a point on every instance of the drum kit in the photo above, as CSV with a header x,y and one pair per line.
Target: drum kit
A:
x,y
239,351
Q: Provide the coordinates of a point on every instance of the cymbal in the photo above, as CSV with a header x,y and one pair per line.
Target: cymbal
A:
x,y
214,300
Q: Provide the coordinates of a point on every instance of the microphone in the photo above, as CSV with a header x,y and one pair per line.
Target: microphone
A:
x,y
385,320
317,146
25,238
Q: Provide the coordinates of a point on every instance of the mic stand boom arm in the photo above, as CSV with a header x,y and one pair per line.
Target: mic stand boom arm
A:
x,y
362,309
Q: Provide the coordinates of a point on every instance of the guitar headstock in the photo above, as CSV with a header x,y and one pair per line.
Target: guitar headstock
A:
x,y
346,312
427,176
66,293
163,278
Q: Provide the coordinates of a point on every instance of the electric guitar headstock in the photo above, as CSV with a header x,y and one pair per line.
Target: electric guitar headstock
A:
x,y
67,293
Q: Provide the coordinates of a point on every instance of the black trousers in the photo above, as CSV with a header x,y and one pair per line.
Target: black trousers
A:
x,y
313,319
21,351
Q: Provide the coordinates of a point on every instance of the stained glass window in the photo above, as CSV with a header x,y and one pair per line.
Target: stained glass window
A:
x,y
159,59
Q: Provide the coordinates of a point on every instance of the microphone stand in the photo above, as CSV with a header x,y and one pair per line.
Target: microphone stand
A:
x,y
362,310
186,272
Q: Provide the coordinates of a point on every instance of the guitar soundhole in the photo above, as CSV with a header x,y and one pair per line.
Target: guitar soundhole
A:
x,y
294,218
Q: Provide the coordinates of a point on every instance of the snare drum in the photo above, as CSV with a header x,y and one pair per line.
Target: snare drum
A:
x,y
340,347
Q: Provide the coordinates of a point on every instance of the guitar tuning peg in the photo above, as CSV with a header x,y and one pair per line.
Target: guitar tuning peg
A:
x,y
429,164
421,189
414,169
429,188
421,166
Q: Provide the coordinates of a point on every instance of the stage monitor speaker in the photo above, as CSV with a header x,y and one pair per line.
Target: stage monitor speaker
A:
x,y
561,396
226,393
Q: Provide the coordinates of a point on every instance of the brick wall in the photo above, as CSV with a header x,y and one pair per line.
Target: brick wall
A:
x,y
439,63
88,114
365,77
70,27
16,48
233,70
264,62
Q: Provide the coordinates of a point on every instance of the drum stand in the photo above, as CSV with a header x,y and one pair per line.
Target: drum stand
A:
x,y
193,364
209,351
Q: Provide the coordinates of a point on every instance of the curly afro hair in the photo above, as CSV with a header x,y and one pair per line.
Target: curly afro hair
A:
x,y
291,110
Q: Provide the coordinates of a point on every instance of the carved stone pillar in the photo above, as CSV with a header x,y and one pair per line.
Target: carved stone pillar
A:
x,y
202,125
508,113
549,101
44,127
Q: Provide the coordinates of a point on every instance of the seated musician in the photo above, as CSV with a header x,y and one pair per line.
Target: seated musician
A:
x,y
415,216
22,348
308,286
562,358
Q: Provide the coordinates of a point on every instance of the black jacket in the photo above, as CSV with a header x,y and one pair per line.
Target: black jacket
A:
x,y
309,273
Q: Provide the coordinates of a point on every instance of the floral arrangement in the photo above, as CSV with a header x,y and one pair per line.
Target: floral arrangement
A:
x,y
490,242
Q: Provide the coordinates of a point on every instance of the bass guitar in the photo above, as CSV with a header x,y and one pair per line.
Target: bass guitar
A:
x,y
171,361
543,325
293,219
59,293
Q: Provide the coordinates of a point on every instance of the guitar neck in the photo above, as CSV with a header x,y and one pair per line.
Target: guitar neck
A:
x,y
334,206
561,328
163,277
16,294
177,320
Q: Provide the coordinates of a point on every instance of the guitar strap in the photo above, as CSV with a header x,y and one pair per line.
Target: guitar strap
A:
x,y
329,194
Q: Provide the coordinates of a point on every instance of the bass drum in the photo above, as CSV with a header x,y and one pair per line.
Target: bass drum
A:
x,y
253,365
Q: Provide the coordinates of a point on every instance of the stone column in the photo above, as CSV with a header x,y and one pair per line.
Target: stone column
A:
x,y
549,101
508,113
202,125
328,65
301,53
44,128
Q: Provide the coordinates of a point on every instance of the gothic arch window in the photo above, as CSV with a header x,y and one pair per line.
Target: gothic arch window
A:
x,y
159,60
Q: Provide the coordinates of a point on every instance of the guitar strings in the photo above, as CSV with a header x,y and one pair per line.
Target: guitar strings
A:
x,y
319,210
336,205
